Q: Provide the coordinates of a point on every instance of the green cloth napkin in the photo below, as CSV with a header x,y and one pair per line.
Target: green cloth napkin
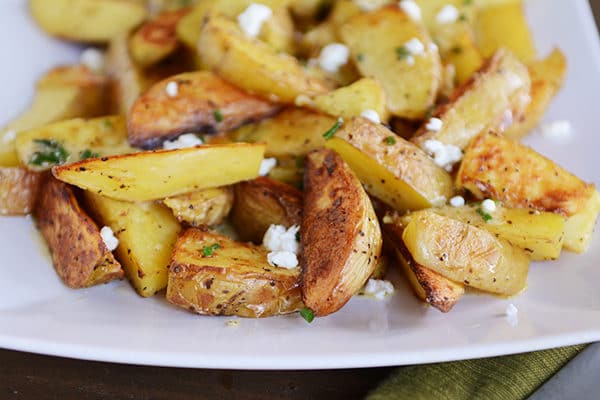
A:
x,y
506,378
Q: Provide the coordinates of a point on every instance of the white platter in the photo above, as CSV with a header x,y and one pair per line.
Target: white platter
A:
x,y
111,323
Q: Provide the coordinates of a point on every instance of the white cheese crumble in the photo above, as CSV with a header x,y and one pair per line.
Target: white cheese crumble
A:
x,y
371,115
109,238
411,9
457,201
183,141
488,206
415,47
444,155
266,165
367,5
447,15
282,245
172,89
93,59
378,288
512,315
434,124
9,136
333,56
560,131
303,100
253,17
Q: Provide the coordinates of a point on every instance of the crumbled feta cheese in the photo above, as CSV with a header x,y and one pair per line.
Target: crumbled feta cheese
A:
x,y
432,47
457,201
266,165
367,5
183,141
387,219
283,259
9,136
378,288
303,100
172,89
415,47
560,131
434,124
488,206
253,17
278,238
109,238
447,15
333,56
506,121
444,155
371,115
232,323
93,59
512,315
411,9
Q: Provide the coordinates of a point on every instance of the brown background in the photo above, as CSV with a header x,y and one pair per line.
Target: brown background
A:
x,y
29,376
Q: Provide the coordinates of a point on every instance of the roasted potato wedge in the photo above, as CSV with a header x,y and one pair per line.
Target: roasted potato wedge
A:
x,y
495,96
547,77
506,170
212,274
292,133
203,103
156,39
262,202
145,260
155,175
18,190
202,208
410,82
78,251
72,140
465,253
340,234
394,170
252,65
87,20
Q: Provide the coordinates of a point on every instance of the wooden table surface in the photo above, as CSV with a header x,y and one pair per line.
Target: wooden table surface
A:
x,y
31,376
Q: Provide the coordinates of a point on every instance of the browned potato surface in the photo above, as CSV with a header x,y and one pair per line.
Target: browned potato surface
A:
x,y
340,234
212,274
79,254
202,208
203,103
262,202
18,190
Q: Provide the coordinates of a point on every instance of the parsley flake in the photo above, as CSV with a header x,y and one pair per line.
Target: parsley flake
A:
x,y
107,124
218,115
87,153
329,134
360,57
402,53
390,140
486,217
307,314
208,251
52,153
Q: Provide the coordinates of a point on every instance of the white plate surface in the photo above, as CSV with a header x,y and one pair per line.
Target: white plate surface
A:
x,y
111,323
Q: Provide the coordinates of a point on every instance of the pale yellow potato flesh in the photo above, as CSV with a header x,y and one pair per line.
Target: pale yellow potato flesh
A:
x,y
202,208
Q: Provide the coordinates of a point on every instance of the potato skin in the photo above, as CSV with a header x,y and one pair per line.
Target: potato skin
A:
x,y
235,279
202,208
262,202
204,103
78,251
340,234
18,190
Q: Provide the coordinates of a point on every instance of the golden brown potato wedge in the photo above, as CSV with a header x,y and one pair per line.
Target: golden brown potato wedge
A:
x,y
394,170
158,174
340,234
252,65
78,251
202,208
262,202
495,96
378,41
156,39
506,170
465,253
87,20
203,103
18,190
212,274
147,233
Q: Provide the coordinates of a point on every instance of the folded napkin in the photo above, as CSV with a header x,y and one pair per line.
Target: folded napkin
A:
x,y
506,378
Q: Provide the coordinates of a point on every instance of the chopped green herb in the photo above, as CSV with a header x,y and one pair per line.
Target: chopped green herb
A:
x,y
486,217
87,153
107,124
429,112
208,251
185,3
218,115
462,17
467,2
300,162
307,314
53,153
402,53
329,134
360,57
390,140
